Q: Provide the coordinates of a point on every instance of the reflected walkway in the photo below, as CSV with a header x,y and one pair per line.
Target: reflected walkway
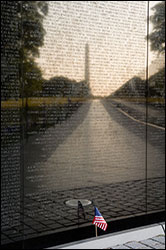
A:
x,y
98,154
103,146
46,212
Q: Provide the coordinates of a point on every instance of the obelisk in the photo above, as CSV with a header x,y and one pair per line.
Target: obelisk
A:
x,y
87,73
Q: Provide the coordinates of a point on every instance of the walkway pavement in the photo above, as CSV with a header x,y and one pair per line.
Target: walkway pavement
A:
x,y
156,113
115,200
148,237
98,154
157,242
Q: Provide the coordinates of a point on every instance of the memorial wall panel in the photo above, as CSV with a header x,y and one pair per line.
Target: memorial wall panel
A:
x,y
82,115
10,117
156,108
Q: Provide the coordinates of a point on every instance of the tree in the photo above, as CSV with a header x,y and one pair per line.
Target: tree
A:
x,y
157,36
31,14
22,34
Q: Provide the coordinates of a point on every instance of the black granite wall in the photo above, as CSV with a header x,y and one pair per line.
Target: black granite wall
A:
x,y
82,113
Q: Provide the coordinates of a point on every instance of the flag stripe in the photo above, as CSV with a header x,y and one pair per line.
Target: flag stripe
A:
x,y
99,220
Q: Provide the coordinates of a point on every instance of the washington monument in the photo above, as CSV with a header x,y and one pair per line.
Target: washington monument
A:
x,y
87,77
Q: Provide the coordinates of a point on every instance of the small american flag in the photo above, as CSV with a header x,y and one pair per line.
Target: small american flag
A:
x,y
99,220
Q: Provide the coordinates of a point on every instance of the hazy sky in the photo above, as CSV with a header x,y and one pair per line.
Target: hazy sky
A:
x,y
115,32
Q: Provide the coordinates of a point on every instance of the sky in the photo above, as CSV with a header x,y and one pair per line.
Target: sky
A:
x,y
115,32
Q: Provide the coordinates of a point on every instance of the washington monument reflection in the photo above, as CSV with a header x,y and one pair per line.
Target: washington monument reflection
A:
x,y
87,75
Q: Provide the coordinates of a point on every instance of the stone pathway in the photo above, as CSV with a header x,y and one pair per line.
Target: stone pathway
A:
x,y
98,154
47,213
156,113
157,242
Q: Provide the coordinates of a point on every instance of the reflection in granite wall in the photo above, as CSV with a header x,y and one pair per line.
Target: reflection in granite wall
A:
x,y
10,117
81,118
117,48
156,103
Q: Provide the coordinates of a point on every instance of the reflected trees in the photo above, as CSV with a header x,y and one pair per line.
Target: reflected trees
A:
x,y
32,34
157,36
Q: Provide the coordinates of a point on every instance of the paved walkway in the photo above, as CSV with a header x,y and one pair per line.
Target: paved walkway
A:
x,y
147,237
97,145
115,200
98,154
156,113
157,242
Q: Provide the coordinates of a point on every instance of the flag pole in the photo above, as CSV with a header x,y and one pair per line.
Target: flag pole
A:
x,y
96,230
